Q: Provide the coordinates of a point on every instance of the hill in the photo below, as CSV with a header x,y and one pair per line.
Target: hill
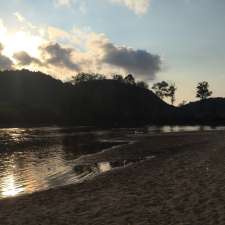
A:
x,y
33,98
30,98
110,101
208,111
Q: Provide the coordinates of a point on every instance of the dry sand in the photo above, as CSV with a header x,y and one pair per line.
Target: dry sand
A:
x,y
183,185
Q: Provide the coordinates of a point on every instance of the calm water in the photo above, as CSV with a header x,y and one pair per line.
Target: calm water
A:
x,y
40,158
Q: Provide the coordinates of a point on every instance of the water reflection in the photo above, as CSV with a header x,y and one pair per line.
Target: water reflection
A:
x,y
15,134
33,159
169,129
36,159
9,187
104,167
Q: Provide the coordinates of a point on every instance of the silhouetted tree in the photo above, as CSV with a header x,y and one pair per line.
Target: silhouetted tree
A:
x,y
142,84
84,77
117,77
161,89
171,90
129,79
34,98
203,90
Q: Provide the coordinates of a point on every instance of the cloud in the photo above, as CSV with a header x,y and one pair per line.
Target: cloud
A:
x,y
1,48
19,17
57,34
23,20
5,62
56,55
64,53
140,7
90,52
139,62
64,3
24,59
99,55
3,30
80,5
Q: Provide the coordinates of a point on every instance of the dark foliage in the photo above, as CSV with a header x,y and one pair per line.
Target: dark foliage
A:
x,y
33,98
160,89
129,79
118,77
27,97
164,89
112,102
208,111
85,77
142,84
203,90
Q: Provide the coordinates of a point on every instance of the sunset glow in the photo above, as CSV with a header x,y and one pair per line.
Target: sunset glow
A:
x,y
153,41
20,41
112,112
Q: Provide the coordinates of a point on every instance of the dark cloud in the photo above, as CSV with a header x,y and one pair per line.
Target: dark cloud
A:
x,y
5,62
56,55
100,55
138,62
24,59
1,48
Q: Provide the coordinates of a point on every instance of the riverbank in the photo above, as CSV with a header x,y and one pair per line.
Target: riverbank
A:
x,y
183,184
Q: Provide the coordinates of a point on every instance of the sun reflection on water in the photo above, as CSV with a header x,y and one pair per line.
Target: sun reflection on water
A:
x,y
104,167
16,133
28,168
36,159
9,188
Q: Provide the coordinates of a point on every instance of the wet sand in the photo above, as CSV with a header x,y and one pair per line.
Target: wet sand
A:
x,y
183,185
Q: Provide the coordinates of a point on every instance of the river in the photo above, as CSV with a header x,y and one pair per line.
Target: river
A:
x,y
35,159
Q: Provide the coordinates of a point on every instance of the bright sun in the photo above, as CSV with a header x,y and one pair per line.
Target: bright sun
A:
x,y
20,41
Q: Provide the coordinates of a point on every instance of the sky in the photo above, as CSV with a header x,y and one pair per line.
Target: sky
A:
x,y
179,41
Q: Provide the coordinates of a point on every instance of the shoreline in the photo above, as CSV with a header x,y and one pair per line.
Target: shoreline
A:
x,y
183,184
102,126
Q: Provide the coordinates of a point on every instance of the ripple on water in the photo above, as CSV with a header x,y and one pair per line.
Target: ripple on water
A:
x,y
102,167
33,159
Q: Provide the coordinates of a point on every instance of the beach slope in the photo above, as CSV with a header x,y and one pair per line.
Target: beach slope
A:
x,y
183,184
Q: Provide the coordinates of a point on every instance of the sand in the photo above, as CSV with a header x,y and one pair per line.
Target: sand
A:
x,y
183,185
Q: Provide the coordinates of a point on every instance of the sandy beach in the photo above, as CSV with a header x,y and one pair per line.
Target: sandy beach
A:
x,y
183,185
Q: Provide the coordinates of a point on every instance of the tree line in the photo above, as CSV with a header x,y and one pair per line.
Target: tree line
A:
x,y
129,79
162,89
29,98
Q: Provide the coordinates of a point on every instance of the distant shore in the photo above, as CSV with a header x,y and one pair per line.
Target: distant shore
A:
x,y
110,125
183,184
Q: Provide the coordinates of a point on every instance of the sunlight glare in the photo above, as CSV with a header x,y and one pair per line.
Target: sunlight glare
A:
x,y
104,167
21,41
9,189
